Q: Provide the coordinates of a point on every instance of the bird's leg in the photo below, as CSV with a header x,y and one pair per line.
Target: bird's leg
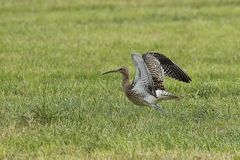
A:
x,y
156,106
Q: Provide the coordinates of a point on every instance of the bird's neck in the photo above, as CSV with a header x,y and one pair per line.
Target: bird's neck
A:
x,y
125,81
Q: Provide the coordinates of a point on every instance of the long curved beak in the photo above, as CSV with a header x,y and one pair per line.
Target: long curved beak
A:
x,y
112,71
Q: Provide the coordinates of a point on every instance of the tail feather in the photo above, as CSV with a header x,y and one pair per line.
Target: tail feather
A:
x,y
164,95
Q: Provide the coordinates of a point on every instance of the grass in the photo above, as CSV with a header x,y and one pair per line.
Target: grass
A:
x,y
54,104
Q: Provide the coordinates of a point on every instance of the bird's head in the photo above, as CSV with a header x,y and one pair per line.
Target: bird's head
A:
x,y
122,70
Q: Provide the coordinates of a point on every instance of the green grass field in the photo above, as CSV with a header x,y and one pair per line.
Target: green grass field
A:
x,y
54,103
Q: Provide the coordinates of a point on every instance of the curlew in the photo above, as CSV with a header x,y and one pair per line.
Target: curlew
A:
x,y
147,87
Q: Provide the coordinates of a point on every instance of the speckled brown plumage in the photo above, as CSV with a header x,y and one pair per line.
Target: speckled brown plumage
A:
x,y
170,69
155,70
147,87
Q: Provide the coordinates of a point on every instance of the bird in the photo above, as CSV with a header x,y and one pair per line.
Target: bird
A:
x,y
147,88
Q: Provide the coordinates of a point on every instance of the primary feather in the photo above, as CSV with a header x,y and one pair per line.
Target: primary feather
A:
x,y
170,68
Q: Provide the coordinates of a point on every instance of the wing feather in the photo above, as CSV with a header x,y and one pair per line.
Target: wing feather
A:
x,y
170,68
155,70
143,79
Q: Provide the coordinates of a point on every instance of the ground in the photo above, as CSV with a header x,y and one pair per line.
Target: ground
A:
x,y
54,103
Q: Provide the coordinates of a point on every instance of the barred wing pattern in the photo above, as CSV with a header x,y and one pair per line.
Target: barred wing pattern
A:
x,y
143,80
155,70
170,69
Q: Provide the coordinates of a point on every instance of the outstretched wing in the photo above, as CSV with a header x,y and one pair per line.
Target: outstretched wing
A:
x,y
143,79
169,68
155,70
